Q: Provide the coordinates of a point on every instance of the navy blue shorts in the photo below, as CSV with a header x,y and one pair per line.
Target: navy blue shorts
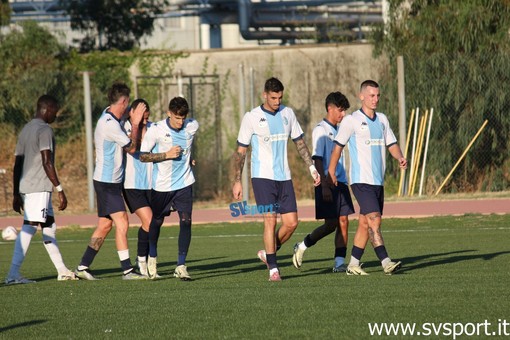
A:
x,y
136,199
340,206
278,194
109,198
163,203
370,197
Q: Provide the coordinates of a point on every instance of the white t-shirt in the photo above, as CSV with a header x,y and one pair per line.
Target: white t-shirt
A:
x,y
138,174
110,138
171,174
268,134
367,140
323,136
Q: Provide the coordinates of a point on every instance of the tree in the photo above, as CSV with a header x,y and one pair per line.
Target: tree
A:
x,y
456,61
113,24
5,12
31,59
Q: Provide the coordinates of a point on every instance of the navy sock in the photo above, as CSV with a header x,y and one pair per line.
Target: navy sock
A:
x,y
154,230
271,261
357,253
308,241
341,252
88,257
126,265
184,236
143,243
381,252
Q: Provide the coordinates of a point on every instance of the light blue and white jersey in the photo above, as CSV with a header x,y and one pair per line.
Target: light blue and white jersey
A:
x,y
367,141
138,174
171,174
268,133
110,139
323,136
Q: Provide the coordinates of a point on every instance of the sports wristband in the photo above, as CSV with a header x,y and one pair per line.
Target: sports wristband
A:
x,y
59,188
313,171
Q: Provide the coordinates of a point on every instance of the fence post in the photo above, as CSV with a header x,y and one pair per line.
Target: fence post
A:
x,y
242,108
88,131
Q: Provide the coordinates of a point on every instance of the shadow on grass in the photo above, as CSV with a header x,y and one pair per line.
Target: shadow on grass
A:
x,y
424,261
22,324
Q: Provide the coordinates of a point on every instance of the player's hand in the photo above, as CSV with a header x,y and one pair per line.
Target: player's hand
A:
x,y
17,203
137,114
174,152
332,181
237,190
402,162
327,195
315,175
63,201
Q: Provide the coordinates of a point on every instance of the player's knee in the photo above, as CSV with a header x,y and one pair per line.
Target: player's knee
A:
x,y
49,222
28,228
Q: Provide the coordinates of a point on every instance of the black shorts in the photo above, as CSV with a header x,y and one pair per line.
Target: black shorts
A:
x,y
340,206
163,203
370,197
109,198
277,194
136,199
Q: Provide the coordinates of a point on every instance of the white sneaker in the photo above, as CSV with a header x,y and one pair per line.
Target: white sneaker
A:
x,y
261,254
152,268
85,274
392,267
142,267
181,272
67,276
297,258
355,270
18,281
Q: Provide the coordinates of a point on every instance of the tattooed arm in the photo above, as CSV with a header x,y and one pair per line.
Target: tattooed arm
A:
x,y
305,155
238,159
173,153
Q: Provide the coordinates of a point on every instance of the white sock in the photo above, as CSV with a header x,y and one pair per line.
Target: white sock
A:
x,y
21,248
51,245
385,262
354,261
302,246
142,259
272,271
339,261
124,255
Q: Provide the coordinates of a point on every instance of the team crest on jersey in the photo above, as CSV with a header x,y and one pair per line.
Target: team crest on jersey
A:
x,y
285,121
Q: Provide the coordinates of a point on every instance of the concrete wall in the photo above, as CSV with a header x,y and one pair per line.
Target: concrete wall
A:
x,y
308,73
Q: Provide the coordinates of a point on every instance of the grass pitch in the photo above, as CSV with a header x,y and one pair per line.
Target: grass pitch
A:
x,y
455,269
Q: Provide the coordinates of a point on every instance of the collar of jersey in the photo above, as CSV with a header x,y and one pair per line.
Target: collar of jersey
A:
x,y
372,119
329,123
171,128
269,112
113,116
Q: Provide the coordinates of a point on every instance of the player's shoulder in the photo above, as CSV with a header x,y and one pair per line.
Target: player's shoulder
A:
x,y
381,115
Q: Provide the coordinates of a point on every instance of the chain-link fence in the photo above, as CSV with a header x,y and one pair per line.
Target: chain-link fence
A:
x,y
459,112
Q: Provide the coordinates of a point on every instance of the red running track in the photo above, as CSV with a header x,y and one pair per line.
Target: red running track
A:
x,y
306,212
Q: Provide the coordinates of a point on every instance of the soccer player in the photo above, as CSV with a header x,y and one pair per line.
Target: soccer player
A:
x,y
168,144
111,141
368,134
333,204
137,186
267,128
33,181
